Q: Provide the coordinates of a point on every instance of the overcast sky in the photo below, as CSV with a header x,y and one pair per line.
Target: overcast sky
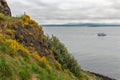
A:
x,y
67,11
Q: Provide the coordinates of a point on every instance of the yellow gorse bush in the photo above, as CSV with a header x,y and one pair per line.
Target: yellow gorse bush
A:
x,y
21,37
58,65
1,35
36,56
21,22
15,47
10,32
42,60
26,20
2,16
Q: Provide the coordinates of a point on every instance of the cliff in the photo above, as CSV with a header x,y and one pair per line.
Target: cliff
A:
x,y
26,53
4,8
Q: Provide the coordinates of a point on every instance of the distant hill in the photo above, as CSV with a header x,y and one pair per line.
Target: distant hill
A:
x,y
85,25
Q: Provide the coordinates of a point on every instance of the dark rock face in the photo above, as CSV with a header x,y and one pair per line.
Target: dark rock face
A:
x,y
4,8
33,37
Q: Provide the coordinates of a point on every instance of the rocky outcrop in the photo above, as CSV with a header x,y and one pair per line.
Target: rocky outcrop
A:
x,y
4,8
34,37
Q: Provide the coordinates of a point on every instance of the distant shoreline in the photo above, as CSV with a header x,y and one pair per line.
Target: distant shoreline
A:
x,y
76,26
83,25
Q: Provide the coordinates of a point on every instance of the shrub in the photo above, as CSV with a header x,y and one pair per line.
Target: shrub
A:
x,y
21,37
43,61
58,65
63,56
12,47
10,32
21,22
2,16
15,47
26,20
1,35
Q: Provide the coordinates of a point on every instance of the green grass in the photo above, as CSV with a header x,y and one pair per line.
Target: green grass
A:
x,y
6,71
25,74
16,64
19,69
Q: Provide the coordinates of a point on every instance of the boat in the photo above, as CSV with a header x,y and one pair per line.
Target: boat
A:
x,y
101,34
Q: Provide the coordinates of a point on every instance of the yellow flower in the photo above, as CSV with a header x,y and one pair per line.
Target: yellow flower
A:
x,y
42,60
27,21
1,35
58,65
21,37
15,47
10,32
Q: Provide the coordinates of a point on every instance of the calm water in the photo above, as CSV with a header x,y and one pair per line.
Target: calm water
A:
x,y
96,54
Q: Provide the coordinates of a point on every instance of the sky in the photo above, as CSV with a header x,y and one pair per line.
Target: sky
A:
x,y
68,11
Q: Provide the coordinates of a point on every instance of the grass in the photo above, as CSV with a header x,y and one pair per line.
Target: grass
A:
x,y
6,71
18,63
25,70
2,17
25,74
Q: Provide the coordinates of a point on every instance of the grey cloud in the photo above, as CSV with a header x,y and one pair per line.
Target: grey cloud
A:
x,y
76,10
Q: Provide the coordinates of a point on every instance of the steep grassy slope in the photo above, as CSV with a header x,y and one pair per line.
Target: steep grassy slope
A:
x,y
27,54
16,63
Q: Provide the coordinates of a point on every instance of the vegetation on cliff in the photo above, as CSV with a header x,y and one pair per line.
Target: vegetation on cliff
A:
x,y
27,54
63,56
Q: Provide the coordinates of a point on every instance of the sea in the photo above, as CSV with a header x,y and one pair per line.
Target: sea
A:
x,y
99,54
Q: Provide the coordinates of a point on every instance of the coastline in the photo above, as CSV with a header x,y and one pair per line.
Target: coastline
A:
x,y
101,76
